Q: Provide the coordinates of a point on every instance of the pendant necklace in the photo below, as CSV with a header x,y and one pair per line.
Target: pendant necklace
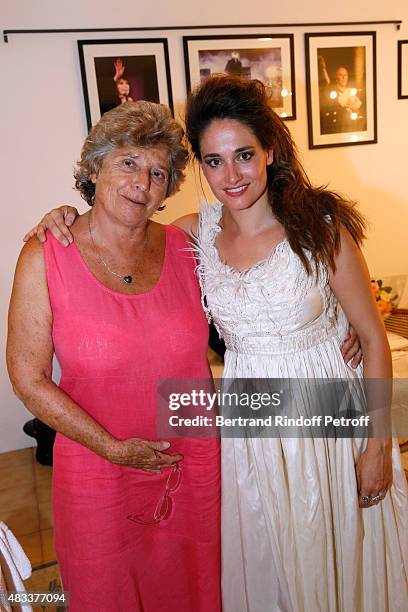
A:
x,y
127,278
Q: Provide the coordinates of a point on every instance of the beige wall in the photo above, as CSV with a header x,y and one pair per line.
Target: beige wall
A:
x,y
42,123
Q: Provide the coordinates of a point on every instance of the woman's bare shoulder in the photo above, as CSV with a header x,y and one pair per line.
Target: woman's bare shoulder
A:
x,y
188,223
32,255
30,288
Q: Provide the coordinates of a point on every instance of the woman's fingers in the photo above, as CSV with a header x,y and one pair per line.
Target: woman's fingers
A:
x,y
372,492
55,222
70,214
153,470
350,349
41,229
158,445
30,234
60,231
159,464
144,454
165,460
367,500
374,476
357,359
58,221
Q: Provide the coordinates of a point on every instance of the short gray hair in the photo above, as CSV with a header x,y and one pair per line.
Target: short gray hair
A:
x,y
138,124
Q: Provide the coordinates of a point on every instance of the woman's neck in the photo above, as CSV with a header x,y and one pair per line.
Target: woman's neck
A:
x,y
113,234
249,221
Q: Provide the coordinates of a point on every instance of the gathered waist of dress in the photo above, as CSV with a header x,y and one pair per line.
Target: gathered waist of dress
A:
x,y
278,342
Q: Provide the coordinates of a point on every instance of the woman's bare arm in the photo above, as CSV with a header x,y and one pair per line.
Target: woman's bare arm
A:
x,y
351,285
29,361
60,219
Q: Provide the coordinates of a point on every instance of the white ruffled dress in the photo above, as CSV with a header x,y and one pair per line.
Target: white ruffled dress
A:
x,y
293,536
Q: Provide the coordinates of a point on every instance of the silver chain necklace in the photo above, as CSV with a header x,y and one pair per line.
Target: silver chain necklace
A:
x,y
127,278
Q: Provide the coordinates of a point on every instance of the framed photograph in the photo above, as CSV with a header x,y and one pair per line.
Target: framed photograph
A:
x,y
341,89
114,71
402,69
267,57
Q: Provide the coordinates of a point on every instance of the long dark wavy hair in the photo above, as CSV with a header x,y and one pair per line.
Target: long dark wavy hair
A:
x,y
311,216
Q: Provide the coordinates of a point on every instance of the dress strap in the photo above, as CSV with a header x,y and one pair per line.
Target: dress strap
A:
x,y
203,247
208,224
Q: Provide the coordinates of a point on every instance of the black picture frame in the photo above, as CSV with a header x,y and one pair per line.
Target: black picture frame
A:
x,y
402,69
267,57
146,69
341,88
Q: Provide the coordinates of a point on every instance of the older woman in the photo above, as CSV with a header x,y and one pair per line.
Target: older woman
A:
x,y
121,308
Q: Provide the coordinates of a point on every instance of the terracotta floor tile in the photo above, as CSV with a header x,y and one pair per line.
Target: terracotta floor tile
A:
x,y
46,517
17,457
31,544
12,497
43,488
17,478
48,548
21,514
42,471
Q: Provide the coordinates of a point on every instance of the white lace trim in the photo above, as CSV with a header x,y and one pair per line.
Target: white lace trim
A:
x,y
249,299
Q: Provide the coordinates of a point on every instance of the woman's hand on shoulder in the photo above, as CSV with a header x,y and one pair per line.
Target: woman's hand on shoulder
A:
x,y
146,455
188,223
58,220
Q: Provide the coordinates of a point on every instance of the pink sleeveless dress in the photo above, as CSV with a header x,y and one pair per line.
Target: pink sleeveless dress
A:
x,y
112,349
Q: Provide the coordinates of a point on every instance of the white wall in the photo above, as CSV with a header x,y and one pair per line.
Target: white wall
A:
x,y
42,123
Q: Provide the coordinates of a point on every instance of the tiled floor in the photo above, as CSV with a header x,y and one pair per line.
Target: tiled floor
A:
x,y
25,503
